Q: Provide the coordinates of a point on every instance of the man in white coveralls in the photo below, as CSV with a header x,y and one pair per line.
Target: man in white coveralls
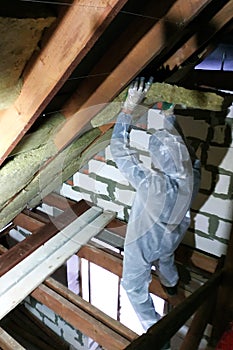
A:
x,y
159,215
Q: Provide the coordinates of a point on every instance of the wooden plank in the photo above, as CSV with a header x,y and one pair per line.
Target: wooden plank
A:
x,y
19,282
8,343
28,222
199,322
202,36
140,55
79,319
113,262
76,32
21,250
90,309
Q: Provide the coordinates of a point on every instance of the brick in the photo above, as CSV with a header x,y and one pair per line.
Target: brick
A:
x,y
210,246
44,310
224,229
139,139
68,192
90,184
155,119
201,223
107,171
124,196
106,205
31,308
230,112
193,128
108,154
146,160
223,184
206,180
222,208
53,326
221,158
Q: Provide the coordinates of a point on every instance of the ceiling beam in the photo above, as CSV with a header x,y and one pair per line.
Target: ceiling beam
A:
x,y
75,34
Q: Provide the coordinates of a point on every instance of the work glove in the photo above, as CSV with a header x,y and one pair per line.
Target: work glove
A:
x,y
136,93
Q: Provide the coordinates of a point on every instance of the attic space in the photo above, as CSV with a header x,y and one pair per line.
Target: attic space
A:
x,y
65,70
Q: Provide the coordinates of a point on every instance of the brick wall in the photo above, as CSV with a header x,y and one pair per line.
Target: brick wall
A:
x,y
100,181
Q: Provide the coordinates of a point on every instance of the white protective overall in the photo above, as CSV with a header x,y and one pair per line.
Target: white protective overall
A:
x,y
159,215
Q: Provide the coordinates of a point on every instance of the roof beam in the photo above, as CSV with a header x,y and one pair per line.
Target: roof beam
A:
x,y
82,106
75,34
201,36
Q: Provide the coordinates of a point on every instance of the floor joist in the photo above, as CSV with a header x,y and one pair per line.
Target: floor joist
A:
x,y
19,282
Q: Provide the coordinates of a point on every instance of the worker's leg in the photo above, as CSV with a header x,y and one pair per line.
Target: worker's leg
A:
x,y
136,280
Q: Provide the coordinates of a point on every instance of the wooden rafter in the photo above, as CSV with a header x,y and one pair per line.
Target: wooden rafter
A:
x,y
82,106
76,33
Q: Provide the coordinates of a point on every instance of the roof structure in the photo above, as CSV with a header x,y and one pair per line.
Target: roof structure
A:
x,y
65,67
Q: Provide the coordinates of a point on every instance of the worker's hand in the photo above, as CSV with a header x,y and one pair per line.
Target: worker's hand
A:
x,y
136,93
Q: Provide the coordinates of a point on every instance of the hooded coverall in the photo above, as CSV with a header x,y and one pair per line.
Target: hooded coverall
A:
x,y
159,215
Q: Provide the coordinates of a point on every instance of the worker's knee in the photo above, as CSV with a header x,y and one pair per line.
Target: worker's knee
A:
x,y
136,292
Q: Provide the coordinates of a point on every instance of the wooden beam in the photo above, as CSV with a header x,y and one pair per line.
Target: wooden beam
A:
x,y
113,262
20,281
201,37
79,319
76,32
28,222
24,248
8,343
90,309
81,108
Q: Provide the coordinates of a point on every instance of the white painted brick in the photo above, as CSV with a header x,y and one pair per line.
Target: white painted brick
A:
x,y
68,192
222,186
107,171
221,157
139,139
108,153
194,128
210,246
70,334
124,196
16,235
35,312
106,205
155,119
46,312
86,197
146,160
224,229
201,223
211,205
90,184
230,112
53,326
206,178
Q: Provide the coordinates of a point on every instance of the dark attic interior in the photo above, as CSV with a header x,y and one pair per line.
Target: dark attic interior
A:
x,y
65,67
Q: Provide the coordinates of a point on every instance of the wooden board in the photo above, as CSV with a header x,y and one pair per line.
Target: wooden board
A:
x,y
20,281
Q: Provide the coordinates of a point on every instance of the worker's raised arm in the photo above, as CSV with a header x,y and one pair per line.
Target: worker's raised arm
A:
x,y
126,158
